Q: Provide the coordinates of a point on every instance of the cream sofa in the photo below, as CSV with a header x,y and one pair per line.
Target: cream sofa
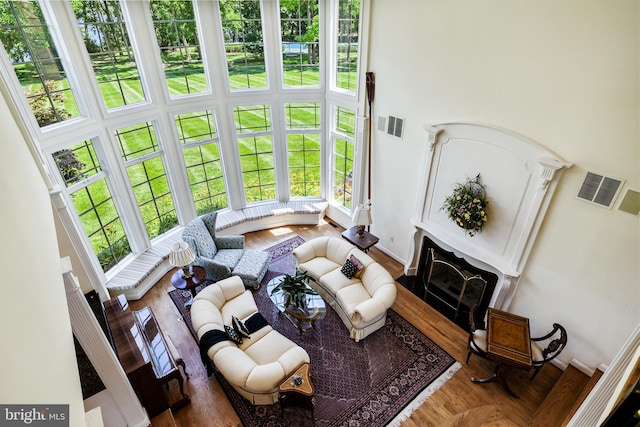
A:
x,y
258,366
361,303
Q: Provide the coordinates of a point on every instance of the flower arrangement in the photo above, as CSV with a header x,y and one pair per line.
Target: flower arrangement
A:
x,y
467,206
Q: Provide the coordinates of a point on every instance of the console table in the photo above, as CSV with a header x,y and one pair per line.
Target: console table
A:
x,y
363,242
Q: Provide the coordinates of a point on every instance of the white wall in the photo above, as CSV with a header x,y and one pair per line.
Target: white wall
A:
x,y
565,74
38,358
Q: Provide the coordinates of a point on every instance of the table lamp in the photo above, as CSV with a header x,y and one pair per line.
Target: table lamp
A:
x,y
361,218
182,256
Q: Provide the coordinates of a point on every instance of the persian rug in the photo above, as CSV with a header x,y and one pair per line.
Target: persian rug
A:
x,y
378,381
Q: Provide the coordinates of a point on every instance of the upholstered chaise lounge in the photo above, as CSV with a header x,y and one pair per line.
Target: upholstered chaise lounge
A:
x,y
257,366
224,256
362,300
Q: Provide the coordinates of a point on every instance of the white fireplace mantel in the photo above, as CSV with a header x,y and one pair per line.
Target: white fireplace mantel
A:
x,y
520,176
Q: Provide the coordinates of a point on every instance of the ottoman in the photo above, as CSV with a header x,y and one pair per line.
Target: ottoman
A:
x,y
252,267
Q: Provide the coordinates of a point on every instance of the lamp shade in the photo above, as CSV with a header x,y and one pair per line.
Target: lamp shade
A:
x,y
181,255
362,216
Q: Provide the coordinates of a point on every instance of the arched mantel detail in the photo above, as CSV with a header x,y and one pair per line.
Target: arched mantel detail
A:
x,y
520,176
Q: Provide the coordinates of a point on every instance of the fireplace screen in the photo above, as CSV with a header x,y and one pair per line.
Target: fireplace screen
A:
x,y
451,285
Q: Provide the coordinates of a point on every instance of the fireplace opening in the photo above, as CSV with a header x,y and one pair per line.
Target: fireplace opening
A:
x,y
451,285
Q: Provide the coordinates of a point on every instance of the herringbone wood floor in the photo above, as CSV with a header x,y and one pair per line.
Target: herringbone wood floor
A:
x,y
210,407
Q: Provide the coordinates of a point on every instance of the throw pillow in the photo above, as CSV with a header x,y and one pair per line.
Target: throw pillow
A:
x,y
239,327
232,334
348,269
359,266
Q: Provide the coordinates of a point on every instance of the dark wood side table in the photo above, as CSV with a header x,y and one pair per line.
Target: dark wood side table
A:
x,y
363,242
508,344
191,283
302,394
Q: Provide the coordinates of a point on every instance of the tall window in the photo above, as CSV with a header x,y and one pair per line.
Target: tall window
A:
x,y
71,57
343,137
299,23
107,41
26,38
255,145
244,44
141,155
346,59
303,148
87,185
177,36
197,133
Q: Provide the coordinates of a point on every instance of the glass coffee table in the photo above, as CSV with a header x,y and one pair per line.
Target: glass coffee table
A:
x,y
302,319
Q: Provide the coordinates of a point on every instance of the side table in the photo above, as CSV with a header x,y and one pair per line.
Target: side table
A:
x,y
299,394
199,274
363,242
508,344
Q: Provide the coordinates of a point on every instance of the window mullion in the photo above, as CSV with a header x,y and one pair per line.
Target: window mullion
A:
x,y
280,166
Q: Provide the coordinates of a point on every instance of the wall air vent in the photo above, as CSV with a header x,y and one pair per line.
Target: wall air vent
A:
x,y
395,126
599,189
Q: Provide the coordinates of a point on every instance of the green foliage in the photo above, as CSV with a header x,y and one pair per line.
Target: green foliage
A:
x,y
467,206
69,165
109,256
47,106
294,289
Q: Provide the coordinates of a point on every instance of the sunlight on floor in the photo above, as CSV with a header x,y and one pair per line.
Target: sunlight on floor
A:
x,y
281,231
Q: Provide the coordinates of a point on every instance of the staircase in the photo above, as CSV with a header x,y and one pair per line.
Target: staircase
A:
x,y
556,409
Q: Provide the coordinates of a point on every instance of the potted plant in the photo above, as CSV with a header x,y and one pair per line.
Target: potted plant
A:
x,y
295,290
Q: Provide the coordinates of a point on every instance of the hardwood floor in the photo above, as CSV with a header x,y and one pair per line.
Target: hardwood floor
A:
x,y
457,400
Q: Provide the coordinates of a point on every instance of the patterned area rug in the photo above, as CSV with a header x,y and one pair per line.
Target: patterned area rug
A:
x,y
376,382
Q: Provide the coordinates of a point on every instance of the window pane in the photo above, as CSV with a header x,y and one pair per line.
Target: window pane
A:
x,y
253,118
107,41
101,223
343,151
347,49
244,46
345,122
177,36
258,175
256,151
202,158
148,178
303,148
40,71
304,165
135,141
77,162
195,127
303,115
93,203
299,21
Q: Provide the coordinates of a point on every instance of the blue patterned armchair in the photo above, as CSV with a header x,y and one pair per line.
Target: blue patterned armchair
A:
x,y
224,256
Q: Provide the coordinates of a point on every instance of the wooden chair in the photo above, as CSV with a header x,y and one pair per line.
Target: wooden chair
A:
x,y
555,341
477,342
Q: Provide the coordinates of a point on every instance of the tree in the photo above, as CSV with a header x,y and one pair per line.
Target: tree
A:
x,y
31,41
184,31
309,32
47,106
69,166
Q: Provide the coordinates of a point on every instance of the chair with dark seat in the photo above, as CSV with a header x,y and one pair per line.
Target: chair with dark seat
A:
x,y
555,342
477,343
